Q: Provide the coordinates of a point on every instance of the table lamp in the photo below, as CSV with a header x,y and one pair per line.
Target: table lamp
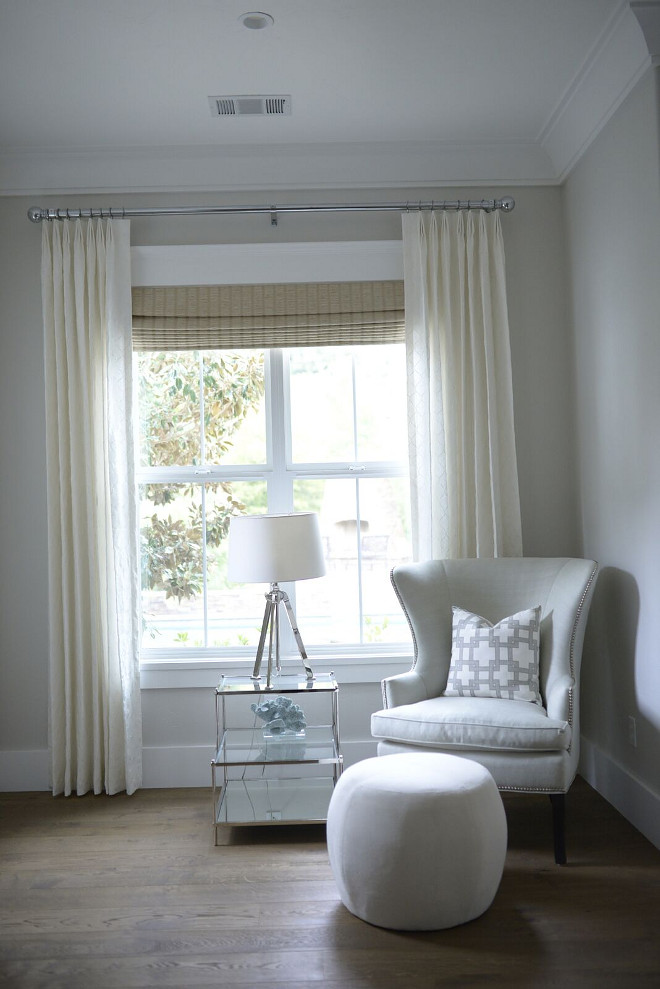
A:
x,y
274,548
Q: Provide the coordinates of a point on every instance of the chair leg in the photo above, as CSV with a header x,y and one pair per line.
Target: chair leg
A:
x,y
558,801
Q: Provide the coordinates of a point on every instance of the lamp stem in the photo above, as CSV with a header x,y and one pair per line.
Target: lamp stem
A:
x,y
271,627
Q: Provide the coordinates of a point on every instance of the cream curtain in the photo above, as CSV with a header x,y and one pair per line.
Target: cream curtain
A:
x,y
464,478
95,721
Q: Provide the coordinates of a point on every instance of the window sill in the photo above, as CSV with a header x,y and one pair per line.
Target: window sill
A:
x,y
159,674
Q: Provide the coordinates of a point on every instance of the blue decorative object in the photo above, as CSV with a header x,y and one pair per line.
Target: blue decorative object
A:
x,y
288,748
281,716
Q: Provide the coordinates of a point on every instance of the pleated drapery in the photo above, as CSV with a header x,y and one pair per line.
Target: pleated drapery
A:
x,y
94,714
464,477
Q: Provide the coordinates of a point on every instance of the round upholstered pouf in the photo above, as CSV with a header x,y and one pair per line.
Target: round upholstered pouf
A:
x,y
416,842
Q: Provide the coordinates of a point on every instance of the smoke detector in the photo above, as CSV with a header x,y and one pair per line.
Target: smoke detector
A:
x,y
256,20
250,106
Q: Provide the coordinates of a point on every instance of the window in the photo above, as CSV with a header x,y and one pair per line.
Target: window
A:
x,y
251,430
317,384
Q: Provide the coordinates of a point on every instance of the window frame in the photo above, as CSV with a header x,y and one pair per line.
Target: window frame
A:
x,y
257,264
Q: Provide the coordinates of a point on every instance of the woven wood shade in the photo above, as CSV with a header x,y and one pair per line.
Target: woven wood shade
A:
x,y
200,317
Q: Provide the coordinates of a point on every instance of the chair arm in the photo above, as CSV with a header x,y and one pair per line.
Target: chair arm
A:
x,y
404,688
558,698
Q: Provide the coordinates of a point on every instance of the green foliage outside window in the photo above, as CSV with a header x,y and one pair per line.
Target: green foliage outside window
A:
x,y
172,435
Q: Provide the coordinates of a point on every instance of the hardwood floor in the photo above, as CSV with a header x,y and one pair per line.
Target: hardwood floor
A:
x,y
101,892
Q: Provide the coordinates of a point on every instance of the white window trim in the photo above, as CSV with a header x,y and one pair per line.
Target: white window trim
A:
x,y
366,668
257,264
248,264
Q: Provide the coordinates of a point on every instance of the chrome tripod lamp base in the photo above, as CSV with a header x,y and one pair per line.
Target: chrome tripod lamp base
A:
x,y
271,629
273,549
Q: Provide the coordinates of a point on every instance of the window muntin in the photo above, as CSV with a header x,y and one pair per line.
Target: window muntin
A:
x,y
260,458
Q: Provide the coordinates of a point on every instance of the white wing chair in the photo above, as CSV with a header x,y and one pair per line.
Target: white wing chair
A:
x,y
527,747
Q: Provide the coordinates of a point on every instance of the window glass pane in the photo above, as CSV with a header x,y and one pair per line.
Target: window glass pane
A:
x,y
385,542
321,391
328,608
380,394
357,395
235,611
172,565
234,407
173,561
169,408
354,602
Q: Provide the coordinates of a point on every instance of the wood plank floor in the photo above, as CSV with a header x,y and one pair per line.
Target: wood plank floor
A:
x,y
107,892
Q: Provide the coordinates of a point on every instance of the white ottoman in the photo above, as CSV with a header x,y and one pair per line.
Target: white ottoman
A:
x,y
416,842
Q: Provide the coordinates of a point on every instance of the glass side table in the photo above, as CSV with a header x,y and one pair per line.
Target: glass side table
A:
x,y
262,778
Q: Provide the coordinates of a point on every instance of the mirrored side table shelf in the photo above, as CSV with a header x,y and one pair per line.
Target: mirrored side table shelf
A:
x,y
264,774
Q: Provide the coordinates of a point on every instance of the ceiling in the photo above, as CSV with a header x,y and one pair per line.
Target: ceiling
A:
x,y
113,94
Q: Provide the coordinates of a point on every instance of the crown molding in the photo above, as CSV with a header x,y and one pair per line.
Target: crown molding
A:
x,y
243,168
647,13
612,68
628,45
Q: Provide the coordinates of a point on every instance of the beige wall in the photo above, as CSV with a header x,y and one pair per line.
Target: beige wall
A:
x,y
613,222
536,273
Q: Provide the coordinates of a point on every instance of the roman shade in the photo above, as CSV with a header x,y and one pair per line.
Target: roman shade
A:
x,y
309,314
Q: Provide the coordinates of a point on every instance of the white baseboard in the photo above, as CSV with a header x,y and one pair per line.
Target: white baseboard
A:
x,y
176,766
631,797
162,766
190,766
357,751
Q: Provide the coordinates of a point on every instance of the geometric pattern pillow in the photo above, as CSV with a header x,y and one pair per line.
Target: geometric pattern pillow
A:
x,y
495,660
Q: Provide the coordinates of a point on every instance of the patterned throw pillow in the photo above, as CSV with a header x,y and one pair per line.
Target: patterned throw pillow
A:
x,y
495,660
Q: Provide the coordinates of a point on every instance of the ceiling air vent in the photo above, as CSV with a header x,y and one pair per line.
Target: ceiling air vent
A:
x,y
250,106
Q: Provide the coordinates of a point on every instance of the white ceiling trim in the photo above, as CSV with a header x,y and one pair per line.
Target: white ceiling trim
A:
x,y
609,73
275,167
647,13
256,264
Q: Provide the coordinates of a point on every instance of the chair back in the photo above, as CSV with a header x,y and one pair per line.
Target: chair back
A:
x,y
495,589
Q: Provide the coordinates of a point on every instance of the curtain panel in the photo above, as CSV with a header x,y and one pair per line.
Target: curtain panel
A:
x,y
464,477
94,715
311,314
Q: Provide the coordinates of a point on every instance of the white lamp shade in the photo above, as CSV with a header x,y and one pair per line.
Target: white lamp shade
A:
x,y
274,548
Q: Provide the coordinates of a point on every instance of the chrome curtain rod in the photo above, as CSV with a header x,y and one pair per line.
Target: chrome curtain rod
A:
x,y
37,213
